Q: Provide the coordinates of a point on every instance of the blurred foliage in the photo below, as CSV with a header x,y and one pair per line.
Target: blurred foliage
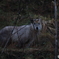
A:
x,y
30,55
9,10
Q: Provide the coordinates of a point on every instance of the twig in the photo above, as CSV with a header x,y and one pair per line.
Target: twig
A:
x,y
25,50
